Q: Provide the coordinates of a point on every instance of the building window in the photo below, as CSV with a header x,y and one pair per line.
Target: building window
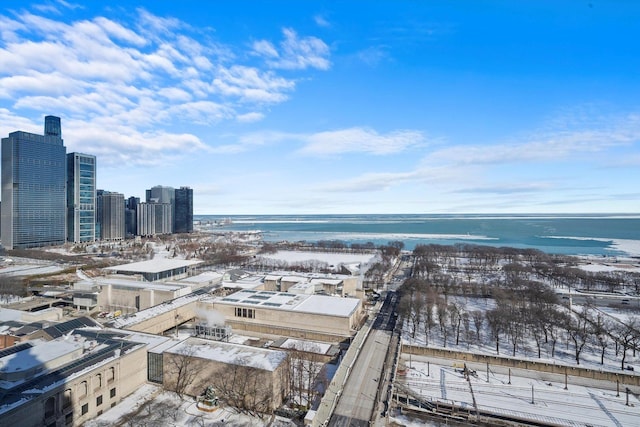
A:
x,y
99,400
68,419
83,389
248,313
111,374
154,367
50,407
66,398
98,381
85,408
112,392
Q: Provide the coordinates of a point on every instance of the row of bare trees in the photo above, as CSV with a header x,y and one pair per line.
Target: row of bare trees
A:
x,y
521,308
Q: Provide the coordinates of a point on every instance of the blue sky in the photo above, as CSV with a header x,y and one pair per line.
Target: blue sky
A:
x,y
293,107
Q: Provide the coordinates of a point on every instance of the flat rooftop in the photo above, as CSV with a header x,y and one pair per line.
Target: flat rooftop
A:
x,y
136,284
156,265
228,353
313,304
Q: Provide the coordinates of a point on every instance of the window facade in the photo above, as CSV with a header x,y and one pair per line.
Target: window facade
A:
x,y
81,197
248,313
33,190
154,367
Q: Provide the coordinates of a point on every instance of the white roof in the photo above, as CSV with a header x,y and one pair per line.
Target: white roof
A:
x,y
156,265
124,283
233,354
311,347
40,354
314,304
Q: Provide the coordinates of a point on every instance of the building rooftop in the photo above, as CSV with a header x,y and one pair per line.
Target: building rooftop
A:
x,y
233,354
313,304
156,265
122,282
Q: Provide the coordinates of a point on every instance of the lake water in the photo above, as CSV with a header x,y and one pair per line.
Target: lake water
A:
x,y
601,235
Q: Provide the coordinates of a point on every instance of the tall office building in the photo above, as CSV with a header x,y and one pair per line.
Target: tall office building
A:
x,y
131,216
112,221
154,218
33,211
162,195
183,217
81,197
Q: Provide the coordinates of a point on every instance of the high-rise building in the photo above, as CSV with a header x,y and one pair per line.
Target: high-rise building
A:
x,y
81,197
162,195
154,218
112,221
33,211
131,216
183,217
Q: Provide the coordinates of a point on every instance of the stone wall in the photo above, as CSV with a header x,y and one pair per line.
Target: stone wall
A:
x,y
627,379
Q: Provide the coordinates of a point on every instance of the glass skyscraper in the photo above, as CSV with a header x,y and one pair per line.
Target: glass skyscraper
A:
x,y
183,218
34,188
81,197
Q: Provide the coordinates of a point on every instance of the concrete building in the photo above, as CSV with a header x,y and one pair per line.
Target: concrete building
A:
x,y
81,197
112,221
183,218
333,284
164,196
259,375
154,219
68,380
157,269
315,317
33,210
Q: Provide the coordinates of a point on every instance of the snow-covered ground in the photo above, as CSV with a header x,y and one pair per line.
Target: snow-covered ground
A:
x,y
150,405
331,258
520,396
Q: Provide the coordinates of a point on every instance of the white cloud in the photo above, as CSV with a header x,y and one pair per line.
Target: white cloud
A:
x,y
550,145
321,21
295,53
250,117
358,139
249,84
150,73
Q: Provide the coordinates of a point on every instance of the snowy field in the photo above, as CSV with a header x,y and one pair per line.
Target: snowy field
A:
x,y
331,258
529,398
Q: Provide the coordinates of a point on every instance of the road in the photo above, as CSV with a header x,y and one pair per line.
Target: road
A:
x,y
360,396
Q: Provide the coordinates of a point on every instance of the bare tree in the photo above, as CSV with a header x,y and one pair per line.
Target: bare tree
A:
x,y
478,321
182,370
579,330
626,334
244,387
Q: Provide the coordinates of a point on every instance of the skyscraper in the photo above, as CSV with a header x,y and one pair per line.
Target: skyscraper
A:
x,y
33,211
154,218
81,197
162,195
131,216
112,221
183,218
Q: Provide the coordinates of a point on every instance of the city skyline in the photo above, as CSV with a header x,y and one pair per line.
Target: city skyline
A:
x,y
287,108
